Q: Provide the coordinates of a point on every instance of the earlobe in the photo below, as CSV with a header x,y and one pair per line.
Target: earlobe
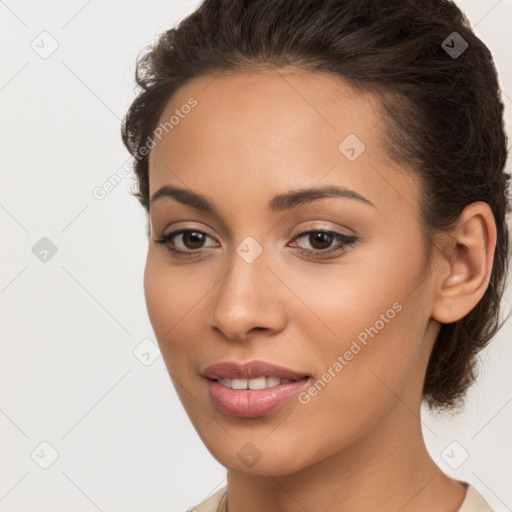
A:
x,y
465,269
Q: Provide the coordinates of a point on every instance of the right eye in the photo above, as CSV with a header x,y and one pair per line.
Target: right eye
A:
x,y
192,241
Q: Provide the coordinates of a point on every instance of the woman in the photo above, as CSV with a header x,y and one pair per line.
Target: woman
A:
x,y
326,199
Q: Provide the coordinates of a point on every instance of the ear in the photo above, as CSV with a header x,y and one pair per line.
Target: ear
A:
x,y
465,265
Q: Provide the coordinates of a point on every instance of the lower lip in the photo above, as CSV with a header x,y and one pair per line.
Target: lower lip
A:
x,y
249,403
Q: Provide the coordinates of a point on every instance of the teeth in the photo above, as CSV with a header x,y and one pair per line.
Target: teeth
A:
x,y
239,383
273,381
257,383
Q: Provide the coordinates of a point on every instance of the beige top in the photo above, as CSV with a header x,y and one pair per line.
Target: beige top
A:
x,y
473,502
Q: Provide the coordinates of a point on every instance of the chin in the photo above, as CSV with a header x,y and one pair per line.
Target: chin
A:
x,y
259,455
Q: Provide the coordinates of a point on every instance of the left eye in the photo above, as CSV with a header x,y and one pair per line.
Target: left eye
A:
x,y
319,239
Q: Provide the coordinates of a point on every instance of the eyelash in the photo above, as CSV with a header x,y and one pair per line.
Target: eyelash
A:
x,y
346,241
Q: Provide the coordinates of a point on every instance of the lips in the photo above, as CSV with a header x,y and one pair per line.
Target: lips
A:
x,y
253,370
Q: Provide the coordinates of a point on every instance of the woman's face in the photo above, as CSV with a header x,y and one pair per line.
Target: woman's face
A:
x,y
251,286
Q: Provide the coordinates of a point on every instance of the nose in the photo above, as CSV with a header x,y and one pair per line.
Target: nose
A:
x,y
249,298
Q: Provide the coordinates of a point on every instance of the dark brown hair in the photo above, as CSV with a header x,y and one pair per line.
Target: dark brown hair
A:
x,y
442,115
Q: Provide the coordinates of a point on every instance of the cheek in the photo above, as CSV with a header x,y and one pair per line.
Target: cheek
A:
x,y
159,301
376,315
358,382
172,291
172,299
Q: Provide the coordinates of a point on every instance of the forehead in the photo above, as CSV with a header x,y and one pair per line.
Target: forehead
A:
x,y
281,127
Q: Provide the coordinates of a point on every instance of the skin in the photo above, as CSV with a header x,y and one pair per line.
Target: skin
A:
x,y
358,444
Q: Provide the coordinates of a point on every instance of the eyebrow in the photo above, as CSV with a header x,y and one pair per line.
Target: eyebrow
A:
x,y
278,203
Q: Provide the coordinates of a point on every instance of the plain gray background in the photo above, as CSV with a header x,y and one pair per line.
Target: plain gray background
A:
x,y
79,368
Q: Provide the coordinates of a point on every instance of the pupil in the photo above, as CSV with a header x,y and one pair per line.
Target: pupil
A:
x,y
190,235
319,237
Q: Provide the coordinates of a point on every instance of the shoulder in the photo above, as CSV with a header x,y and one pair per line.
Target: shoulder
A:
x,y
474,501
210,504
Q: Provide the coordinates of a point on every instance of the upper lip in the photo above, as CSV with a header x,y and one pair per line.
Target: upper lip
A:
x,y
251,370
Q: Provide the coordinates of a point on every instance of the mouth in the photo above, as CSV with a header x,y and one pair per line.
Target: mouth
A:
x,y
247,402
253,389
